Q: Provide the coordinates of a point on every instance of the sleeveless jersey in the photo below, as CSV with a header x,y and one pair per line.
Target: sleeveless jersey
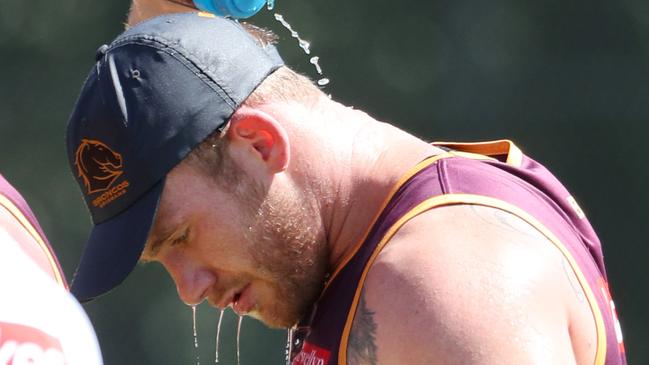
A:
x,y
37,248
40,321
493,174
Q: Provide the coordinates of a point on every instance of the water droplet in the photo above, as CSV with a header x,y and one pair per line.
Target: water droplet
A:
x,y
306,46
198,360
315,61
270,4
218,336
289,345
239,340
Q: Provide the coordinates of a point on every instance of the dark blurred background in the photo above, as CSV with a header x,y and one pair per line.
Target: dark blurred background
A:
x,y
567,80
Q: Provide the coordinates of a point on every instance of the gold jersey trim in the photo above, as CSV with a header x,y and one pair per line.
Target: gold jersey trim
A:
x,y
413,171
20,217
478,150
472,150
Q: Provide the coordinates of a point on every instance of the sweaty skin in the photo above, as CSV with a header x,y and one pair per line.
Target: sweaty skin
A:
x,y
456,285
486,289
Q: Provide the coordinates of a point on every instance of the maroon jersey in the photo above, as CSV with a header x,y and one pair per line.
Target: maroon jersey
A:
x,y
493,174
37,247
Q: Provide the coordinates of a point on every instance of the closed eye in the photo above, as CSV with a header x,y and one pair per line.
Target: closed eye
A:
x,y
180,239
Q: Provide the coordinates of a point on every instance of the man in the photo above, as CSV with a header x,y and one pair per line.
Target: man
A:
x,y
40,322
197,148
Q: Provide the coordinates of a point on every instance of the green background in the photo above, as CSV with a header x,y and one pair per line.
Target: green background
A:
x,y
567,80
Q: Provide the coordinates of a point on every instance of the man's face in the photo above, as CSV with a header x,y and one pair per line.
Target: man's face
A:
x,y
262,251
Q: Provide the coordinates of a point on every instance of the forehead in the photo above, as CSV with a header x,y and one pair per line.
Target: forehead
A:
x,y
181,187
187,192
175,204
190,191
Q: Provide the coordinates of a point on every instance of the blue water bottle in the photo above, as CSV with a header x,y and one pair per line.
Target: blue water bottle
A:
x,y
238,9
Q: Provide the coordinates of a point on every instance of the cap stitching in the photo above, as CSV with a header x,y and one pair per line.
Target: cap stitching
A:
x,y
194,66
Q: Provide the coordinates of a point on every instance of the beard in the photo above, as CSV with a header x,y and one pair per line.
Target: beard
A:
x,y
287,242
284,233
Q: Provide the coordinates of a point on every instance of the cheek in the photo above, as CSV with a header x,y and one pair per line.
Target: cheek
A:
x,y
220,246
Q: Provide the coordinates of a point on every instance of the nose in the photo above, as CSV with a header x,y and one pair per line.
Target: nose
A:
x,y
193,282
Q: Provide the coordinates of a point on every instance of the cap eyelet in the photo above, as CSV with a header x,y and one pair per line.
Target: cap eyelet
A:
x,y
101,52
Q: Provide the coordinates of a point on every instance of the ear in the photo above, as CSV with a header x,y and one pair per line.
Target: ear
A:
x,y
262,136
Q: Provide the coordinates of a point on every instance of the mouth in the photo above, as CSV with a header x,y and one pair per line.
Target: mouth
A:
x,y
236,298
233,299
243,302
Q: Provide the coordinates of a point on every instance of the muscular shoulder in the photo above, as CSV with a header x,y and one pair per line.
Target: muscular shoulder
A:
x,y
463,284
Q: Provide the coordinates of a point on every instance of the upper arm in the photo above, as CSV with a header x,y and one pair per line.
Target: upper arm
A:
x,y
474,292
142,10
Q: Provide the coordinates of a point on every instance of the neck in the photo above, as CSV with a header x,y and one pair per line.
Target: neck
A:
x,y
350,185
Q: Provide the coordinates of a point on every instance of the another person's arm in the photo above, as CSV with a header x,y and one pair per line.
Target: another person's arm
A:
x,y
142,10
39,320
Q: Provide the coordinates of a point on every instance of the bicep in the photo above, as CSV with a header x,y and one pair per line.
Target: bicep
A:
x,y
475,296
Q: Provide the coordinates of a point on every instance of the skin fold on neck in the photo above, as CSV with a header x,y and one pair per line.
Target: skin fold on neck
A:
x,y
346,185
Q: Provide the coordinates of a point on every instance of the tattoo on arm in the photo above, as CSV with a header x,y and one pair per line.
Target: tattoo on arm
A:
x,y
574,283
361,349
502,219
505,220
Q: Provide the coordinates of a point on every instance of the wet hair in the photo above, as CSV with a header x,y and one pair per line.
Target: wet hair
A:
x,y
211,157
282,85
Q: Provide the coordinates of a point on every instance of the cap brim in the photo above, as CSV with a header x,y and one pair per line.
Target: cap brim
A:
x,y
114,247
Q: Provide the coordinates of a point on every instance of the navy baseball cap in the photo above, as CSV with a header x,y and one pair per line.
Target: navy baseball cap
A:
x,y
153,95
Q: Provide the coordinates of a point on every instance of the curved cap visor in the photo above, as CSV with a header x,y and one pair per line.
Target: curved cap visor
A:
x,y
114,247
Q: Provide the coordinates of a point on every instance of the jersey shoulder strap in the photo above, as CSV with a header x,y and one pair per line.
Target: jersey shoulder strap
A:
x,y
34,243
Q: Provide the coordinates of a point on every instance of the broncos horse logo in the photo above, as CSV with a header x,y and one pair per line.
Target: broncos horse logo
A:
x,y
97,165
